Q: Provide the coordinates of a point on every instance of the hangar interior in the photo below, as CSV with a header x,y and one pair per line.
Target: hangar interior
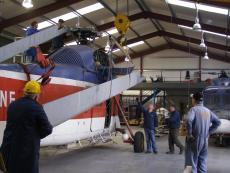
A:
x,y
174,57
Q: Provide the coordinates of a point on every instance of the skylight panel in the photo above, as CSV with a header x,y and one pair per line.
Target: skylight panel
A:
x,y
65,17
71,15
208,8
131,45
44,24
90,8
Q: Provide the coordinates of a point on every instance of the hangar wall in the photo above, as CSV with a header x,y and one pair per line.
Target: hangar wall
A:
x,y
173,64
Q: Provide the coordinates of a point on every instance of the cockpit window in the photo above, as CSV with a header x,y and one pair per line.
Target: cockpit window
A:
x,y
212,101
226,100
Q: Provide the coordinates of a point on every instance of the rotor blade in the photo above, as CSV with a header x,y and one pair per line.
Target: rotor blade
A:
x,y
23,44
61,110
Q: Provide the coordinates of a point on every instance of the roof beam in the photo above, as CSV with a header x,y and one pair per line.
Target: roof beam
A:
x,y
168,19
37,13
194,40
143,53
199,52
177,37
172,46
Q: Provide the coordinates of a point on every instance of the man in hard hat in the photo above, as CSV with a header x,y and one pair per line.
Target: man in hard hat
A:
x,y
26,125
201,122
174,125
150,123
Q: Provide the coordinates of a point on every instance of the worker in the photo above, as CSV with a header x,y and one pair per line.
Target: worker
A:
x,y
26,125
150,123
174,125
32,52
58,42
201,122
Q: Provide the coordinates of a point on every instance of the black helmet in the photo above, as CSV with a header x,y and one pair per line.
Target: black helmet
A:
x,y
198,96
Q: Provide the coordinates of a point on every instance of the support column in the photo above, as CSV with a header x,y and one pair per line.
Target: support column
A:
x,y
141,73
200,66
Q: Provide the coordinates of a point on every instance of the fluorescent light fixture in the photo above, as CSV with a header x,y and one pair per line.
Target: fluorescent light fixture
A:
x,y
205,31
131,45
201,7
27,4
71,15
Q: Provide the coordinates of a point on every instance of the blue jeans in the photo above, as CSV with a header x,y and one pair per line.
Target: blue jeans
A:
x,y
196,154
150,140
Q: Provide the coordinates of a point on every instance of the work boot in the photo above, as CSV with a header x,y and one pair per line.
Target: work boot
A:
x,y
155,152
148,152
170,152
181,151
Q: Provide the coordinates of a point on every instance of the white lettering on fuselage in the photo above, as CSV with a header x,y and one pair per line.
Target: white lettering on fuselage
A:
x,y
6,97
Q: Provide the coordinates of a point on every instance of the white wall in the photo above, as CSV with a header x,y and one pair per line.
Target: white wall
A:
x,y
170,59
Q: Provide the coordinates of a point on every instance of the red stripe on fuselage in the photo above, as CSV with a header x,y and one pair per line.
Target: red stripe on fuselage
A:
x,y
49,93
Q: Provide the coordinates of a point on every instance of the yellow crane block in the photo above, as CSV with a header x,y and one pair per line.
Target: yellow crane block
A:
x,y
122,23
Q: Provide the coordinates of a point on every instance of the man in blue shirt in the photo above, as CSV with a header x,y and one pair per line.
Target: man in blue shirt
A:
x,y
31,53
174,125
201,122
150,123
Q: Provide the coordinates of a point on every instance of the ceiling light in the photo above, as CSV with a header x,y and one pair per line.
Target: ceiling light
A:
x,y
197,26
107,47
126,59
201,7
27,3
206,54
202,44
71,15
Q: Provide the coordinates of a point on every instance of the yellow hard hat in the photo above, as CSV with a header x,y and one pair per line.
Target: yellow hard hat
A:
x,y
32,87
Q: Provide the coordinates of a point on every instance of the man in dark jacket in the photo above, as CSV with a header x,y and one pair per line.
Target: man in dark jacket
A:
x,y
174,125
58,42
27,123
150,123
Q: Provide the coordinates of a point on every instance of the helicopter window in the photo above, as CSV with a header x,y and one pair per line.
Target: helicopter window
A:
x,y
212,101
226,100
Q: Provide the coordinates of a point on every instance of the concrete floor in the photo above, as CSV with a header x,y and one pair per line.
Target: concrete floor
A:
x,y
119,158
